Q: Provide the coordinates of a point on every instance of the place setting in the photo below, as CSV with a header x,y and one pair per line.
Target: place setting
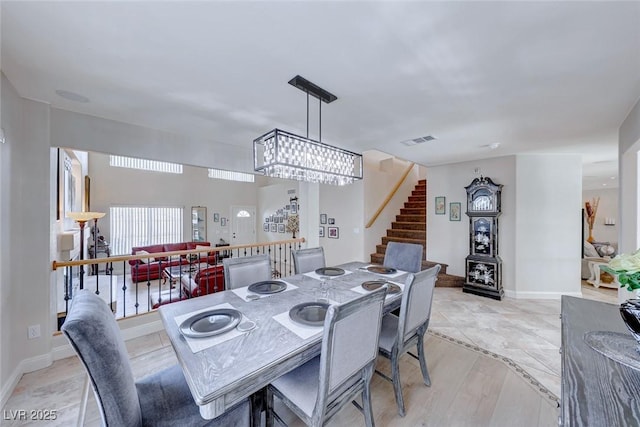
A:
x,y
382,270
394,288
205,328
263,289
307,319
327,273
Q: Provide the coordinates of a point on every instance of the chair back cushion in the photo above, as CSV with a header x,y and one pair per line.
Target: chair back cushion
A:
x,y
94,334
403,256
416,301
244,271
306,260
350,341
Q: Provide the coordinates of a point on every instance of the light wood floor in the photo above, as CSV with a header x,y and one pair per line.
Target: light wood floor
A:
x,y
511,383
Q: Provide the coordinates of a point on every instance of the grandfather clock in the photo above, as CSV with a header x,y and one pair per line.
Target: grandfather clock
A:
x,y
483,265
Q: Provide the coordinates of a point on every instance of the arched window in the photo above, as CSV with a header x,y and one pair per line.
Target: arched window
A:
x,y
243,214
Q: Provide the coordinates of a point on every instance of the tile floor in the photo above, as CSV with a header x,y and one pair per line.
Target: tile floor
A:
x,y
526,331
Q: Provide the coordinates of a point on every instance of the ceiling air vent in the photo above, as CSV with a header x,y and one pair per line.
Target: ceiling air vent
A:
x,y
420,140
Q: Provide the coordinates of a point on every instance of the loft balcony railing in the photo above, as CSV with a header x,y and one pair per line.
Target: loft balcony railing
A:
x,y
130,289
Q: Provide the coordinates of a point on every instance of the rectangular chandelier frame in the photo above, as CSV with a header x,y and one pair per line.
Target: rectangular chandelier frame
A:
x,y
282,154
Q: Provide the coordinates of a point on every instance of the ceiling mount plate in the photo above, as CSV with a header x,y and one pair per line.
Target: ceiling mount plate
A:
x,y
312,89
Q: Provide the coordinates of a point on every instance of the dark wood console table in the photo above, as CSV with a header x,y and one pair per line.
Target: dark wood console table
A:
x,y
596,391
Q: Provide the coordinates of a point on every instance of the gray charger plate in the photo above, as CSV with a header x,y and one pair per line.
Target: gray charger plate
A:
x,y
309,313
381,269
622,348
267,287
329,271
211,322
372,285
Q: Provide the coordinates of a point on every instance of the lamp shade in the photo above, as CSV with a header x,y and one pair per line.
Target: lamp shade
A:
x,y
85,216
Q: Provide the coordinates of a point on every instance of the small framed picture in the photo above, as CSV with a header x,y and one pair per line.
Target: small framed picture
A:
x,y
223,222
454,211
323,218
333,232
216,217
294,208
267,219
332,221
265,227
321,232
280,228
274,227
440,205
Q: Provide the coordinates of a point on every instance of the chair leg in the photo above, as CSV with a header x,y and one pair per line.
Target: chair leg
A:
x,y
423,362
83,402
366,404
397,386
269,408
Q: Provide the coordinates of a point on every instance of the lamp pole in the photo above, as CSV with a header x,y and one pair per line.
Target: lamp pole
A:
x,y
81,218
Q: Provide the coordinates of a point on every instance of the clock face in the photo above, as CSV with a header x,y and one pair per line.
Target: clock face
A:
x,y
482,203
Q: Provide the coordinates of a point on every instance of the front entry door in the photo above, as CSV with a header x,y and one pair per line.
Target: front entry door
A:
x,y
243,225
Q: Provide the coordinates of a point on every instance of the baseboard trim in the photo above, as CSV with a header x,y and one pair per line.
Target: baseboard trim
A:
x,y
64,351
27,365
539,295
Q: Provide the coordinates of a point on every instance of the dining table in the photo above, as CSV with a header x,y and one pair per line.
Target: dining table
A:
x,y
224,369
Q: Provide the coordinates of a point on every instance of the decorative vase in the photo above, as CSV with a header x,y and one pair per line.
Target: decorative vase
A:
x,y
590,239
630,312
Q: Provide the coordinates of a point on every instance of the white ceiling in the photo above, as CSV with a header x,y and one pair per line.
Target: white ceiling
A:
x,y
536,77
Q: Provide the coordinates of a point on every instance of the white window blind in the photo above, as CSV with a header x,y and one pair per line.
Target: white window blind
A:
x,y
144,164
142,226
231,176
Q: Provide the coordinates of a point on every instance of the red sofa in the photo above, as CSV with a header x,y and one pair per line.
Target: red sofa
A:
x,y
151,268
205,281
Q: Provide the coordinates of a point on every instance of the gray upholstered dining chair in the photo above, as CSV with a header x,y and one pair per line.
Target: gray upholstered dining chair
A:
x,y
161,399
403,256
244,271
317,390
398,334
310,259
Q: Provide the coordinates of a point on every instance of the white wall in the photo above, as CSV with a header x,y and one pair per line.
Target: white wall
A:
x,y
345,204
548,225
607,208
130,187
25,228
448,241
628,148
539,224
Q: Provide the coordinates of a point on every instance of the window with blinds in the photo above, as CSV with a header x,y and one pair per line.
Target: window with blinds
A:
x,y
231,176
141,226
144,164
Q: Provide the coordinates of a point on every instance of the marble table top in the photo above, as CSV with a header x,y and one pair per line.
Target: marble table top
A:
x,y
221,375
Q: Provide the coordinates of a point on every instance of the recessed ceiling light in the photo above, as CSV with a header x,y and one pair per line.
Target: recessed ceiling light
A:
x,y
604,185
612,177
71,96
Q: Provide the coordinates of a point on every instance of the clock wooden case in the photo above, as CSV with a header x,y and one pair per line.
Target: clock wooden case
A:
x,y
483,264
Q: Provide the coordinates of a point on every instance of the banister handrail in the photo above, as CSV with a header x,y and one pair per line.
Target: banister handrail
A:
x,y
390,195
59,264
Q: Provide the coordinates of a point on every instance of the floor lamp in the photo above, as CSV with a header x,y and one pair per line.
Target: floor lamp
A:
x,y
81,218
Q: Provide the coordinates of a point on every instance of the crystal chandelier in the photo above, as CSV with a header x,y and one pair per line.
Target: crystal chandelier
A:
x,y
282,154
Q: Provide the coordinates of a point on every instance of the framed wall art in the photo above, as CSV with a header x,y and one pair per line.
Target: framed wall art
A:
x,y
280,228
321,231
323,218
216,217
223,222
265,227
274,227
333,232
441,206
454,211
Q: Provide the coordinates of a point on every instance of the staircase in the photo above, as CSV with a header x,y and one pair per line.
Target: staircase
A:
x,y
411,227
